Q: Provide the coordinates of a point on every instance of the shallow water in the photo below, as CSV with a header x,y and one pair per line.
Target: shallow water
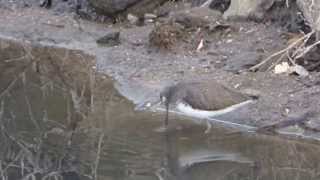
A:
x,y
60,119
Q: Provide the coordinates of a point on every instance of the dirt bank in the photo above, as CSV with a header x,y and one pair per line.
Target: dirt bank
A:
x,y
141,71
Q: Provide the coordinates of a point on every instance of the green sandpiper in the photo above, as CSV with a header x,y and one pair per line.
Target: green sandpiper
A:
x,y
203,99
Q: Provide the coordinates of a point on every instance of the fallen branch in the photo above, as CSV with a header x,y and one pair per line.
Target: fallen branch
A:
x,y
286,50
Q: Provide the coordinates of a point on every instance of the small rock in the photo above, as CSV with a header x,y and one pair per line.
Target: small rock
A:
x,y
218,27
282,68
150,16
148,21
196,17
229,41
132,19
148,104
300,70
118,7
111,39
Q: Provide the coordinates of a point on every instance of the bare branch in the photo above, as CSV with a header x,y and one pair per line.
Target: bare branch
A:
x,y
291,46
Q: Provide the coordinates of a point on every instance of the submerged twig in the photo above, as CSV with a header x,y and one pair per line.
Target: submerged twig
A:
x,y
31,113
96,163
8,88
1,171
20,74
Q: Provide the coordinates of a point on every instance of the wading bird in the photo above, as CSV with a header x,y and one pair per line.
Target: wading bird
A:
x,y
202,99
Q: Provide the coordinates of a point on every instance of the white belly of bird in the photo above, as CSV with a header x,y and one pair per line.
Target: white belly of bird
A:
x,y
189,111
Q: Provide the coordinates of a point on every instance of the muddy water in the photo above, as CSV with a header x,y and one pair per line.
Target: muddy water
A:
x,y
59,119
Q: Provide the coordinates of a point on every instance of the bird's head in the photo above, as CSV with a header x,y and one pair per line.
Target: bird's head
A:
x,y
165,96
172,94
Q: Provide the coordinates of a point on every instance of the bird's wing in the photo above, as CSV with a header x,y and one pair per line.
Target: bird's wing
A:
x,y
213,98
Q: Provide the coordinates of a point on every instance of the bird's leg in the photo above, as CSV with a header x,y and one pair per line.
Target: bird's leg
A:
x,y
209,126
166,122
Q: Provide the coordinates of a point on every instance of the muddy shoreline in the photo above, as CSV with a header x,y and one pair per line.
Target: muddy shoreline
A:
x,y
141,71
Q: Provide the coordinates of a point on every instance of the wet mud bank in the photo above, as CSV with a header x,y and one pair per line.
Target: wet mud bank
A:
x,y
52,102
86,91
140,71
68,100
67,109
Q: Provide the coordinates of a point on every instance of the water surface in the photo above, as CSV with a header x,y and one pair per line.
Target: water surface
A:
x,y
60,119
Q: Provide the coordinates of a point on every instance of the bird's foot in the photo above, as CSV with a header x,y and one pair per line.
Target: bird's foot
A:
x,y
209,126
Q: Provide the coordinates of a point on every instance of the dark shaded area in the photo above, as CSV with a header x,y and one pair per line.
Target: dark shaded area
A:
x,y
220,5
110,39
290,18
311,60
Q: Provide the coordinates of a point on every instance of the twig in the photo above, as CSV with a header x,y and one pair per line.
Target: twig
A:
x,y
292,45
36,124
158,174
302,45
13,139
14,59
31,175
1,171
96,164
10,164
307,49
8,88
5,133
52,174
254,68
54,25
290,59
27,55
278,61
